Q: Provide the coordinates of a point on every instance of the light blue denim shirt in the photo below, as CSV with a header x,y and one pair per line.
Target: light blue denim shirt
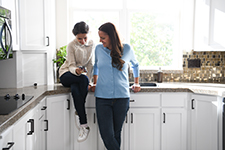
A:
x,y
111,82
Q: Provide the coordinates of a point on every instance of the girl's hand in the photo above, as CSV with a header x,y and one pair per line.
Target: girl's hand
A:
x,y
79,71
89,87
93,88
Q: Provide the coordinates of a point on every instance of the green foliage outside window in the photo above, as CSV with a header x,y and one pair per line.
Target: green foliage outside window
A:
x,y
151,39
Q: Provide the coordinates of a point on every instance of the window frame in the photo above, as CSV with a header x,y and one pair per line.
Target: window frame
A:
x,y
124,29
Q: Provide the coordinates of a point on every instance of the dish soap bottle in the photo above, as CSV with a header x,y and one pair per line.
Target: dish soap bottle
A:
x,y
160,75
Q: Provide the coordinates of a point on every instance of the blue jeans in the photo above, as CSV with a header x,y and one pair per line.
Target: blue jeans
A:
x,y
111,114
79,90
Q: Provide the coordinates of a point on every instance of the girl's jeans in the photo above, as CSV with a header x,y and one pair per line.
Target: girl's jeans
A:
x,y
111,114
79,90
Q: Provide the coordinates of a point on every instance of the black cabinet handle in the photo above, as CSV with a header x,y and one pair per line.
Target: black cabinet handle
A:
x,y
68,108
164,118
44,107
48,40
126,119
131,117
46,125
132,100
10,145
94,118
192,104
31,121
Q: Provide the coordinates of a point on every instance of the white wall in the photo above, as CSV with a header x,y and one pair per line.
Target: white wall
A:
x,y
62,14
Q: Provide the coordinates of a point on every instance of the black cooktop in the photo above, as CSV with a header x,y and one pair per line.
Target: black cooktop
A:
x,y
10,103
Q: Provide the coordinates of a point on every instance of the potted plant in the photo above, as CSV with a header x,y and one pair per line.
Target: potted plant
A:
x,y
60,58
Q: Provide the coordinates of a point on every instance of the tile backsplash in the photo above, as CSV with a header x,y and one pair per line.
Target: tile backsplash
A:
x,y
199,67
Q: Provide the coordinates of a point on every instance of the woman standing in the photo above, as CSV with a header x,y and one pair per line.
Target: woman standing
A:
x,y
112,84
79,57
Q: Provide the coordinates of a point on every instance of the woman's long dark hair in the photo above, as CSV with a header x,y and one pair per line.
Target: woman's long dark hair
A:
x,y
117,46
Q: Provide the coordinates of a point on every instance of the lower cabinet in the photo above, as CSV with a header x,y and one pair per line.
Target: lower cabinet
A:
x,y
58,122
25,132
42,126
93,142
204,122
6,139
174,129
156,122
144,129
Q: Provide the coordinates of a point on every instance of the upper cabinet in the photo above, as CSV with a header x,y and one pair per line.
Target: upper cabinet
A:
x,y
209,23
35,24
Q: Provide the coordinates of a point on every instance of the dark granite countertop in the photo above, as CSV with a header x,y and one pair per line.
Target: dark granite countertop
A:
x,y
40,92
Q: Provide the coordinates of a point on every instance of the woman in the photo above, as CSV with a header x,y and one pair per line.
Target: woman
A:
x,y
112,84
79,57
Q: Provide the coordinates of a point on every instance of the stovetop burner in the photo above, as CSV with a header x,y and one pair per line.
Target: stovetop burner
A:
x,y
10,103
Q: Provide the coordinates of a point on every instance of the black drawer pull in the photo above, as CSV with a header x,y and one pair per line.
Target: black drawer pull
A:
x,y
10,145
46,125
44,107
68,108
131,117
164,118
31,121
192,104
132,100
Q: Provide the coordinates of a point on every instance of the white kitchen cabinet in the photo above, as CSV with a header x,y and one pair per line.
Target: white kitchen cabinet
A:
x,y
174,121
143,122
174,129
157,121
58,118
25,131
209,25
34,25
6,139
93,141
42,126
144,132
204,125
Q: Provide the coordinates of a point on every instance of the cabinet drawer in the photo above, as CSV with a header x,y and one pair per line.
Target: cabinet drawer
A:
x,y
144,100
173,99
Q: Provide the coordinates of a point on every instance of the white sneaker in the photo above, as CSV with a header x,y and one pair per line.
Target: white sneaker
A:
x,y
77,121
83,134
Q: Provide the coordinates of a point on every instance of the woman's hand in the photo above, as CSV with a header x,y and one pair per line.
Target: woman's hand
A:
x,y
136,88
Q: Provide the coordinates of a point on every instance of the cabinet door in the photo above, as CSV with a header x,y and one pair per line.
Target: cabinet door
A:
x,y
174,129
92,141
144,129
32,24
58,135
42,126
204,122
24,132
6,139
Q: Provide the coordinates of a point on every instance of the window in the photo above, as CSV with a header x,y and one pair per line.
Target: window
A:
x,y
155,29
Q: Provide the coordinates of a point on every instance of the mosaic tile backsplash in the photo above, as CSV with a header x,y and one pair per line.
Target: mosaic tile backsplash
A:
x,y
199,67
